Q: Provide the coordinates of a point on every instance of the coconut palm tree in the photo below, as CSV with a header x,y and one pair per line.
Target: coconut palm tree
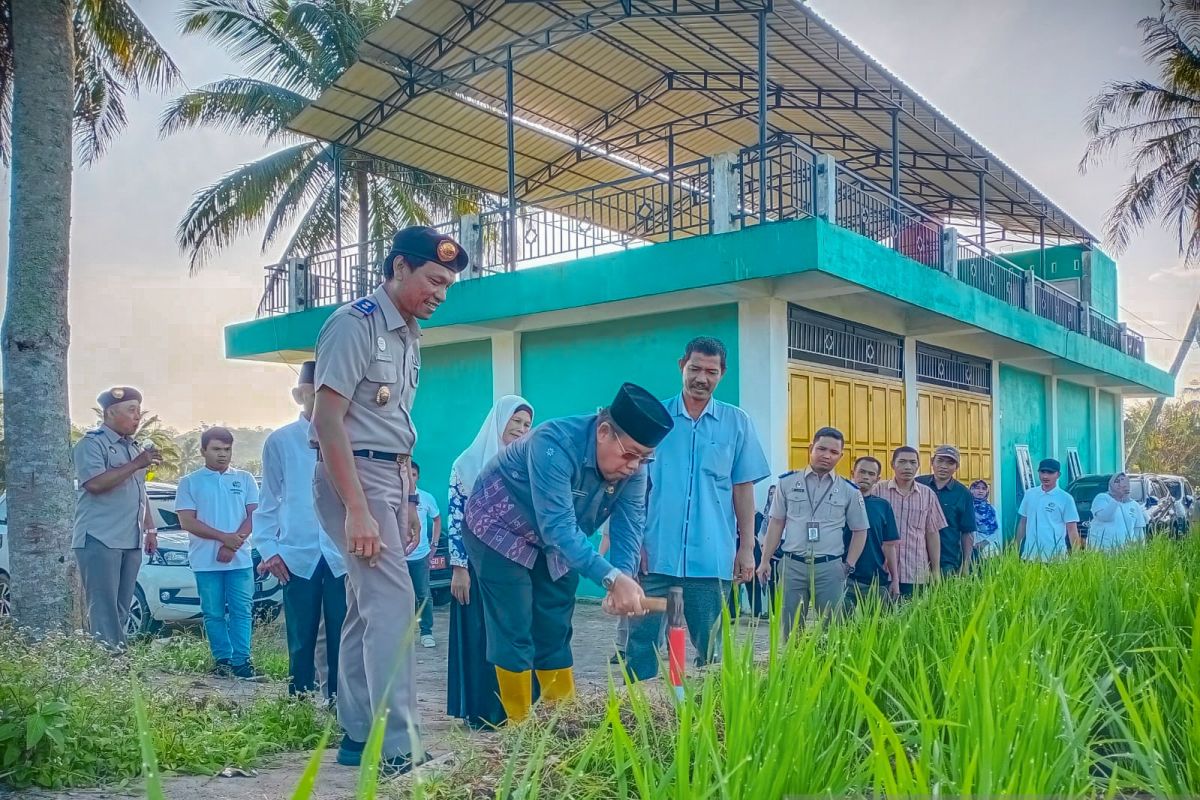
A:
x,y
1161,122
63,65
115,55
292,51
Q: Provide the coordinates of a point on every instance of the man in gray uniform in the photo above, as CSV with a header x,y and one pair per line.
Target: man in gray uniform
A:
x,y
111,514
810,510
368,361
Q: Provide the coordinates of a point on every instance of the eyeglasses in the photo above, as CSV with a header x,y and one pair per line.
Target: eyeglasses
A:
x,y
633,458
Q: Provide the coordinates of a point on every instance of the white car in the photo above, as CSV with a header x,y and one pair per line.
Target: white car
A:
x,y
166,586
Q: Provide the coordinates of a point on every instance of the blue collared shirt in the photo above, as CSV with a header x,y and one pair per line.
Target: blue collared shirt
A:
x,y
691,524
552,477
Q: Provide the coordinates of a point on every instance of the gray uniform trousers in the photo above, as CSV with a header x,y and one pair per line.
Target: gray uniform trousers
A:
x,y
804,582
109,575
376,663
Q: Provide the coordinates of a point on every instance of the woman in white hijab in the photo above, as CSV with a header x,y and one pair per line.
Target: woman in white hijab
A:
x,y
1117,519
471,691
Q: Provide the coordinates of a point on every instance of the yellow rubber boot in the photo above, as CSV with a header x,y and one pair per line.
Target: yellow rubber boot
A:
x,y
516,693
556,684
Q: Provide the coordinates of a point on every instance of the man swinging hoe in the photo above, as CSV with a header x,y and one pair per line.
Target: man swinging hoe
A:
x,y
526,532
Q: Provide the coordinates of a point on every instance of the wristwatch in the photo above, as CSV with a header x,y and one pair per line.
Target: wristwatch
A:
x,y
611,578
415,499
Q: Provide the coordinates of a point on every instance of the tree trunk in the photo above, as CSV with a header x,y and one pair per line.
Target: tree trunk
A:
x,y
1185,347
364,220
41,499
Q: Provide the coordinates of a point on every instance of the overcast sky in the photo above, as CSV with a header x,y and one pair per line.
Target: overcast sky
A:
x,y
1017,75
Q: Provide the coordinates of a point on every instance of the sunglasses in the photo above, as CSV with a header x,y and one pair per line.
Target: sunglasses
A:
x,y
633,458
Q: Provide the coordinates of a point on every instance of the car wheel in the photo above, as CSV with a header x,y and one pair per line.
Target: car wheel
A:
x,y
266,612
441,596
5,595
140,623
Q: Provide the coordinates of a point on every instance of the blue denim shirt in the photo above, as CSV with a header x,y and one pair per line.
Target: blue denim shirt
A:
x,y
552,477
694,471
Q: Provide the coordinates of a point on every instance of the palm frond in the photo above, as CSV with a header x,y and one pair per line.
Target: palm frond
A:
x,y
235,105
122,41
99,104
301,193
253,35
238,202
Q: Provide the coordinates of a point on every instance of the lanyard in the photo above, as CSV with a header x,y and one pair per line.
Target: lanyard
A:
x,y
817,506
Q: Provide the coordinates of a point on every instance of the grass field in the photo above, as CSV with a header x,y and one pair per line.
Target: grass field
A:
x,y
1072,679
1080,678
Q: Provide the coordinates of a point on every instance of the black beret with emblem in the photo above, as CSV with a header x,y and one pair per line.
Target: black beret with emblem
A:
x,y
423,244
118,394
639,414
308,372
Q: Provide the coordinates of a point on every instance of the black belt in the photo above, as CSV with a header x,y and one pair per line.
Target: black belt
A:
x,y
376,455
812,559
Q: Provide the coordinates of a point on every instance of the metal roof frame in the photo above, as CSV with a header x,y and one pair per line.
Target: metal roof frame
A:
x,y
522,98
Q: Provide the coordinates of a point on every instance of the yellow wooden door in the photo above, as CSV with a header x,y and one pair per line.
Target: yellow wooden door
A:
x,y
868,410
962,419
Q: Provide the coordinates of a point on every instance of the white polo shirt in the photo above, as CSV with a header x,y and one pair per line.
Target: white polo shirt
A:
x,y
219,500
1046,517
427,512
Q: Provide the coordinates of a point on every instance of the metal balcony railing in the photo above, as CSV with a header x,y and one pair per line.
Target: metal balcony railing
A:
x,y
786,181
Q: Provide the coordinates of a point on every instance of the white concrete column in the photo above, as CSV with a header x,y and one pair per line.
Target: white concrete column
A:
x,y
997,447
726,188
763,378
1051,422
506,364
912,413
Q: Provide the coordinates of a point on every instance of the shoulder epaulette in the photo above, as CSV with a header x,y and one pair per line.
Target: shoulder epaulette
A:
x,y
789,472
365,307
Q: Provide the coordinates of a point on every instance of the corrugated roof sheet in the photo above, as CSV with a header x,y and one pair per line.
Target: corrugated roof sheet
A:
x,y
429,84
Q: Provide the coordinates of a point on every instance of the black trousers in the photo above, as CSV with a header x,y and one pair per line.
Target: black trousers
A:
x,y
304,602
528,615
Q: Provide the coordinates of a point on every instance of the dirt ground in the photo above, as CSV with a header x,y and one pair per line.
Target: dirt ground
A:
x,y
593,644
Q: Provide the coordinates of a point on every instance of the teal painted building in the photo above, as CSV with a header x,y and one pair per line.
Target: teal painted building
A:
x,y
852,266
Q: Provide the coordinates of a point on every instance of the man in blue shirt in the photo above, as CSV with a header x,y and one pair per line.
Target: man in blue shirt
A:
x,y
700,525
526,531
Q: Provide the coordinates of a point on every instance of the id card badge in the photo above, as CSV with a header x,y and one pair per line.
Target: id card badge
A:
x,y
814,533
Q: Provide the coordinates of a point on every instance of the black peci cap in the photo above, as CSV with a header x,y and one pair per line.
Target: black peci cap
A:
x,y
422,244
308,371
1049,465
639,414
118,394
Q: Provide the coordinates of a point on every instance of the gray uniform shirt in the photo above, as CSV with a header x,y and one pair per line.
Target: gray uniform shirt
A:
x,y
368,354
830,503
114,518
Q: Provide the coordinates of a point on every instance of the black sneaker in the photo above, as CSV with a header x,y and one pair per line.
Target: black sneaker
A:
x,y
400,765
350,752
247,672
617,657
223,668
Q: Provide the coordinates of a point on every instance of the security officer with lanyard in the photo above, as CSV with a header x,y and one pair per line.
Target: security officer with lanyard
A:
x,y
112,512
368,363
526,530
810,511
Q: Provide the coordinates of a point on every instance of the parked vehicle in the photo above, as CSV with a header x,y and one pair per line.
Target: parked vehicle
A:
x,y
1185,502
1149,490
440,571
166,586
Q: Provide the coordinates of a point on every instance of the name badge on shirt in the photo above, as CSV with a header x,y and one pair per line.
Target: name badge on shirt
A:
x,y
814,533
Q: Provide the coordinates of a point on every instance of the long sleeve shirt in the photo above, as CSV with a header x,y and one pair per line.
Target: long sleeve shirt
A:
x,y
553,486
285,522
457,507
